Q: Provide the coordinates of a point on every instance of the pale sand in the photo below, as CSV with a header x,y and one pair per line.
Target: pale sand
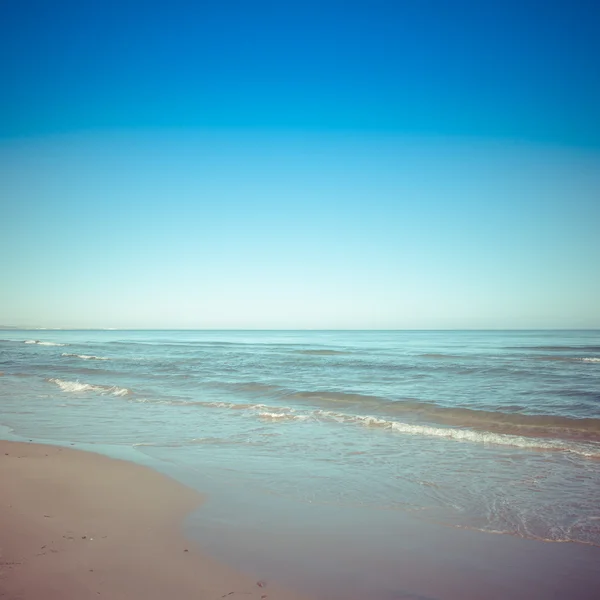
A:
x,y
76,525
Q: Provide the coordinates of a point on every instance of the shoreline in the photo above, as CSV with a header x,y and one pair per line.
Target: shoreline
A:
x,y
77,525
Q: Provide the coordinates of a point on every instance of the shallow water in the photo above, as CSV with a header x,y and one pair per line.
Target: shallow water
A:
x,y
491,431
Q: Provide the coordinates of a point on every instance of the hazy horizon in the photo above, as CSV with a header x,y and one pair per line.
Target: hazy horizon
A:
x,y
34,328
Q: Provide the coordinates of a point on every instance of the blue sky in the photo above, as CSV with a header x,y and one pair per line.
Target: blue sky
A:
x,y
300,165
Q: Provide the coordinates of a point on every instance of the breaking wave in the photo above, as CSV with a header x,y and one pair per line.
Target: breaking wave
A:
x,y
582,348
468,435
517,422
281,416
39,343
76,386
289,414
84,356
592,359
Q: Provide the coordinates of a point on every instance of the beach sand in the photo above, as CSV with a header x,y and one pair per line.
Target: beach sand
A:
x,y
76,525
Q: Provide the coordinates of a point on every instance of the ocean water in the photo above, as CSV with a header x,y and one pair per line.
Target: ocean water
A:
x,y
497,432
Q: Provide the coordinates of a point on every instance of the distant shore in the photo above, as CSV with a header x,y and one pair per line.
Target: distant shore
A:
x,y
76,525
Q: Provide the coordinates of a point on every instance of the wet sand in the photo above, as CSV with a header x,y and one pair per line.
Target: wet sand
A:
x,y
76,525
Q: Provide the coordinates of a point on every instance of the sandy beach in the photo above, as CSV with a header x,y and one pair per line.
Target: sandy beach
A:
x,y
76,525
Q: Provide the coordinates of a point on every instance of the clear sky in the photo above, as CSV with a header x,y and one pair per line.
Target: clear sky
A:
x,y
331,164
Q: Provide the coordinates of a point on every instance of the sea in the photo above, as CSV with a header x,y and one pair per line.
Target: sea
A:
x,y
333,442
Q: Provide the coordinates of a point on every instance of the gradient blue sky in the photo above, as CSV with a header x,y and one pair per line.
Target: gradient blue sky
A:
x,y
418,164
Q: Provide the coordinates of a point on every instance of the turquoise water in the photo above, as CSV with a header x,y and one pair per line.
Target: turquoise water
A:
x,y
491,431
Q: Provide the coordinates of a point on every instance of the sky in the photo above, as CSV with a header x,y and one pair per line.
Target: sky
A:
x,y
353,165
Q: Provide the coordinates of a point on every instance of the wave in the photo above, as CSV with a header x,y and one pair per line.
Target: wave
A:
x,y
84,356
592,359
282,416
591,348
230,405
76,386
263,411
290,414
495,421
508,423
40,343
516,422
546,348
467,435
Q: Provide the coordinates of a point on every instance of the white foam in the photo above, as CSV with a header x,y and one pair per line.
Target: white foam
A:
x,y
84,356
287,413
43,343
367,421
274,416
237,406
73,386
76,386
464,435
117,391
281,416
262,411
590,359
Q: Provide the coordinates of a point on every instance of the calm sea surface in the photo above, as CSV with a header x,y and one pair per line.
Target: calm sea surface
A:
x,y
491,431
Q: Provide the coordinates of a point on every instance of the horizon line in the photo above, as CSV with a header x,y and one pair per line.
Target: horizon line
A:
x,y
31,328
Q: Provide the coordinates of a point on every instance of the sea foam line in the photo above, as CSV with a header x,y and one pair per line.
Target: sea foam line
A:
x,y
287,413
466,435
76,386
84,356
43,343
